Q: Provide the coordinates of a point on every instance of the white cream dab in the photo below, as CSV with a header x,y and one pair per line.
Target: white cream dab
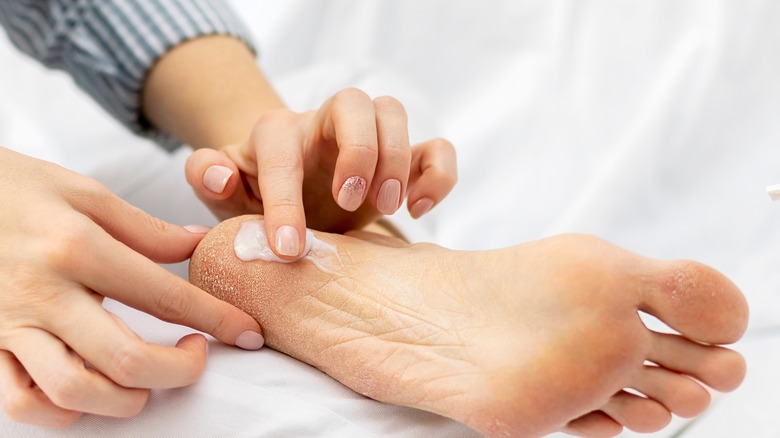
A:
x,y
251,243
774,192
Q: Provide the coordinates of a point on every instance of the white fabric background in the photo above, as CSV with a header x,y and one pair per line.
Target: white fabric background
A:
x,y
653,125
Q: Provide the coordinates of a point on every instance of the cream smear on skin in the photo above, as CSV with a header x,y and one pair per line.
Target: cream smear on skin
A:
x,y
251,243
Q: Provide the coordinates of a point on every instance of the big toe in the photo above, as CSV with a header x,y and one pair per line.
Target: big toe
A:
x,y
694,299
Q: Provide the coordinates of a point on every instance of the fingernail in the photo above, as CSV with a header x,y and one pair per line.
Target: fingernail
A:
x,y
250,340
197,229
351,193
287,240
421,207
389,196
216,177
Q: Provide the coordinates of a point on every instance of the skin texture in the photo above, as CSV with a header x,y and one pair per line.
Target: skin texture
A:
x,y
521,341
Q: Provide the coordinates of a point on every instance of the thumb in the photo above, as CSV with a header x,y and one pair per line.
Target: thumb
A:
x,y
217,182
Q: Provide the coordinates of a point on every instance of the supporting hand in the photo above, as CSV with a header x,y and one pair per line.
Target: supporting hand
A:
x,y
66,242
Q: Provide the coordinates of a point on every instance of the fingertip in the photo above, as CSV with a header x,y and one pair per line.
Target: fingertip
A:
x,y
421,207
197,229
250,340
211,174
196,345
389,197
235,327
287,243
434,174
194,342
192,339
216,177
352,193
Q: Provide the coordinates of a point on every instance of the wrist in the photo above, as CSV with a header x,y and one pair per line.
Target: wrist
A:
x,y
208,92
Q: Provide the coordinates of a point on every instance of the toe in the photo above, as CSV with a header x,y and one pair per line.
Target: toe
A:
x,y
678,393
720,368
595,424
637,413
695,300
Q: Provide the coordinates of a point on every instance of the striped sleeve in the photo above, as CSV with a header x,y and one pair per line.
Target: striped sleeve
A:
x,y
109,46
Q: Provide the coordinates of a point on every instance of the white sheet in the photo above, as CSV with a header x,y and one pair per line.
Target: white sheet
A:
x,y
650,124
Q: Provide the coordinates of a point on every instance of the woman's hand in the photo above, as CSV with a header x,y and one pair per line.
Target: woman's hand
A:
x,y
66,242
334,169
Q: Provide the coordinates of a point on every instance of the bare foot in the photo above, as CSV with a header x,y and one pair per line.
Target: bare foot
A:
x,y
522,341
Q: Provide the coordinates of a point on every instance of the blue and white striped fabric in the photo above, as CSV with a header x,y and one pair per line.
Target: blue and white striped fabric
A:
x,y
108,46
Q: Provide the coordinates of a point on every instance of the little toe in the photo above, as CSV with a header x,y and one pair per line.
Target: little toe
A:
x,y
719,368
637,413
678,393
694,299
595,424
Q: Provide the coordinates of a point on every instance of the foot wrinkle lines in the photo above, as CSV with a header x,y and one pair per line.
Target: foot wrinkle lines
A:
x,y
507,349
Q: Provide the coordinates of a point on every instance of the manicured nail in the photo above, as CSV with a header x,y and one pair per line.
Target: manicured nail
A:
x,y
197,229
351,193
421,207
389,196
216,177
250,340
287,241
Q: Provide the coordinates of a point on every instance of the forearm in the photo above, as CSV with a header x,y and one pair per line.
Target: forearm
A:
x,y
207,92
110,46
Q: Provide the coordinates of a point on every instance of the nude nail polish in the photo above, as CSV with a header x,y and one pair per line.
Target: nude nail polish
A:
x,y
351,193
287,241
215,178
421,207
197,229
389,196
250,340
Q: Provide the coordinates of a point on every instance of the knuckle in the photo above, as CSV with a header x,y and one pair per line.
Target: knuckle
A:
x,y
64,419
389,104
157,225
66,390
24,410
362,146
283,166
348,95
128,364
444,176
137,403
172,303
71,234
451,179
442,145
397,152
217,325
17,404
272,117
87,189
89,196
280,201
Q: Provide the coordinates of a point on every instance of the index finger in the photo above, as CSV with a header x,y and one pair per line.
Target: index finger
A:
x,y
136,281
278,141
